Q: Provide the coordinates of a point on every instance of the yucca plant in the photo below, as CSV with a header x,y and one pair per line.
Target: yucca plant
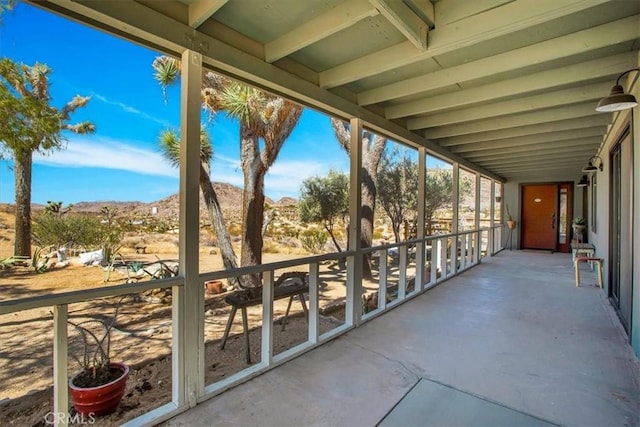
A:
x,y
93,344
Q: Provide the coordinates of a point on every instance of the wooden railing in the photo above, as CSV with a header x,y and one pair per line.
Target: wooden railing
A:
x,y
421,264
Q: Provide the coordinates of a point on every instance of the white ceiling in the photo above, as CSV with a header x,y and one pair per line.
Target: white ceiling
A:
x,y
509,86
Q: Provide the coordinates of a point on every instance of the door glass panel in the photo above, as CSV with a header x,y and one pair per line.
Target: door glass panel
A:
x,y
562,225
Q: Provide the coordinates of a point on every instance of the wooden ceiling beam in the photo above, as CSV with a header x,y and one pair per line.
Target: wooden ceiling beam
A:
x,y
405,21
513,160
527,104
550,115
589,135
201,10
560,47
331,22
560,125
519,86
485,26
546,148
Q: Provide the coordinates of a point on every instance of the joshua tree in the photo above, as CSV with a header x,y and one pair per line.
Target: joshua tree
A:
x,y
372,149
6,5
263,118
29,124
170,145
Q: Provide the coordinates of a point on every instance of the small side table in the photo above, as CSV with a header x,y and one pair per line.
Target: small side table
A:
x,y
582,249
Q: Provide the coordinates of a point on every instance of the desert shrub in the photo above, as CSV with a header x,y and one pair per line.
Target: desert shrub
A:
x,y
72,231
76,231
162,227
290,242
270,247
313,240
208,239
235,229
289,230
377,232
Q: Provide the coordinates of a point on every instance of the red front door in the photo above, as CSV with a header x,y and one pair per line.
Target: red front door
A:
x,y
539,216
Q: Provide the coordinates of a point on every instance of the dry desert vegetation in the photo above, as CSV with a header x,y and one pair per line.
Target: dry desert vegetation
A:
x,y
142,338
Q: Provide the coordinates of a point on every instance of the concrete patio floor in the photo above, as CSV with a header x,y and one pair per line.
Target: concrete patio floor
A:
x,y
513,331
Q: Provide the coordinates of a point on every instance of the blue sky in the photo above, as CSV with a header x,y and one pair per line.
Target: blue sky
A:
x,y
121,160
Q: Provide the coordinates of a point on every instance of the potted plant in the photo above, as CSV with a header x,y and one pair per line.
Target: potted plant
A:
x,y
99,386
511,223
214,286
579,225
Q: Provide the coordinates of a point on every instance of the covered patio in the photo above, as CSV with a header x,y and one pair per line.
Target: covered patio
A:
x,y
509,342
503,91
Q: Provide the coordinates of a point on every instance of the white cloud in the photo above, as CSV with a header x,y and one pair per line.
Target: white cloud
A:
x,y
132,110
108,154
227,161
283,179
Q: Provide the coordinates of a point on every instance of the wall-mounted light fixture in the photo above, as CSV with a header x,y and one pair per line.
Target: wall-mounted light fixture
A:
x,y
584,182
617,99
595,163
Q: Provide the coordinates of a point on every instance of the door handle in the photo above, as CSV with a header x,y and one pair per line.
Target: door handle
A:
x,y
553,221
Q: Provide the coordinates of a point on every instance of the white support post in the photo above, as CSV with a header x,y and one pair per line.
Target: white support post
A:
x,y
454,219
353,309
421,257
188,301
60,357
267,318
382,279
443,259
492,213
402,272
473,243
314,314
463,251
503,243
476,247
476,219
435,244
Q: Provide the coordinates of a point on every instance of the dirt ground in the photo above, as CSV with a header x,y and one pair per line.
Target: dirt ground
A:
x,y
142,339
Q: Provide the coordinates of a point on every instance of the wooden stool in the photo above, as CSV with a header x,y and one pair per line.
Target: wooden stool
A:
x,y
582,249
592,260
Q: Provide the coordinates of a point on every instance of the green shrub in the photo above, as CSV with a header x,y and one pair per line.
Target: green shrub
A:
x,y
270,247
76,231
313,240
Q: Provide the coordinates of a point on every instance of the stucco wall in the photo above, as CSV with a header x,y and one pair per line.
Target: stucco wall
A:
x,y
630,238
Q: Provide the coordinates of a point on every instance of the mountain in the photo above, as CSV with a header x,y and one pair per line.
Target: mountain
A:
x,y
229,197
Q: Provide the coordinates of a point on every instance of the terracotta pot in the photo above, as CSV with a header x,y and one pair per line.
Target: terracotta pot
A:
x,y
214,286
511,224
103,399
